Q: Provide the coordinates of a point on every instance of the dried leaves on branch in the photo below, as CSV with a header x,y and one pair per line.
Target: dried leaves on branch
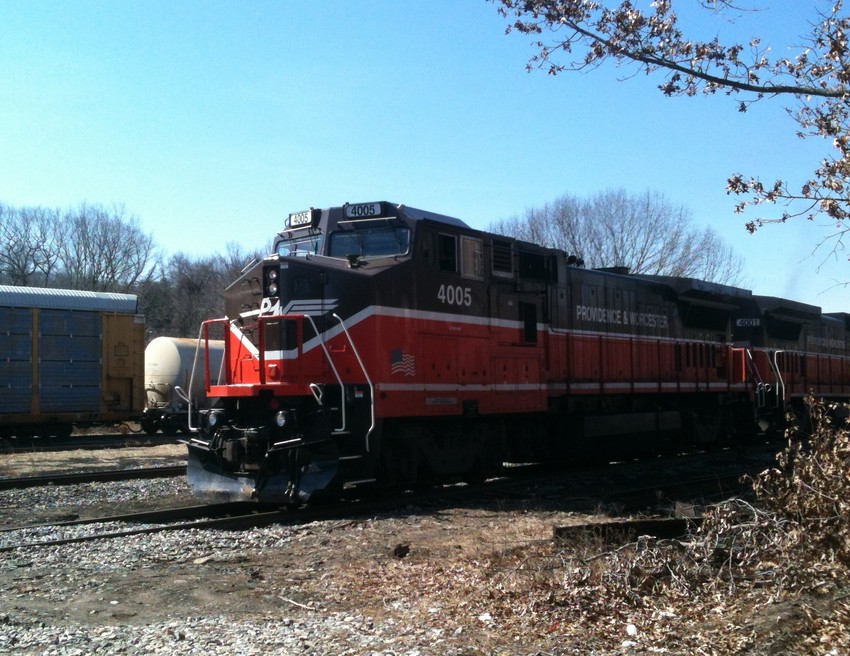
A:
x,y
809,489
747,564
573,35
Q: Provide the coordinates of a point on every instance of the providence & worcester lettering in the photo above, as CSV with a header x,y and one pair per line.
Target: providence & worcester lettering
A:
x,y
617,317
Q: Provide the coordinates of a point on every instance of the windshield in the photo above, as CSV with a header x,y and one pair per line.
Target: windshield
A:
x,y
305,245
370,242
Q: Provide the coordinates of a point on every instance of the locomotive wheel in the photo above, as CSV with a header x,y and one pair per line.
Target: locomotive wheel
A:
x,y
401,460
149,425
62,431
490,448
708,429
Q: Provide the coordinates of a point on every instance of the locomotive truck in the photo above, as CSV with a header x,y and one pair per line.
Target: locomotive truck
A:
x,y
380,342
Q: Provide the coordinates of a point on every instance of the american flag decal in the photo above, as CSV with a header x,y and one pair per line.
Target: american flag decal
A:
x,y
402,363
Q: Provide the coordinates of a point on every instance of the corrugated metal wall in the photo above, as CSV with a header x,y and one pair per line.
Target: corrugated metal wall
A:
x,y
15,360
69,361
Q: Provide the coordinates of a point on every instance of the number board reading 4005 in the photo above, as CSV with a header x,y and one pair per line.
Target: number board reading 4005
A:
x,y
298,219
363,210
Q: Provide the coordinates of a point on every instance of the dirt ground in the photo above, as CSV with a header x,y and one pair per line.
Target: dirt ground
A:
x,y
29,462
485,576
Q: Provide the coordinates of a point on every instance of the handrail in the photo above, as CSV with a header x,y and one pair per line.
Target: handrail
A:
x,y
179,391
365,374
203,333
761,388
780,381
263,319
342,428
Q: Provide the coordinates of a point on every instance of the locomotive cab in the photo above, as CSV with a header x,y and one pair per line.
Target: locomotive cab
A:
x,y
297,398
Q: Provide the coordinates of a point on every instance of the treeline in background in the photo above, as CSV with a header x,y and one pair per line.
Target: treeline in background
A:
x,y
97,248
104,249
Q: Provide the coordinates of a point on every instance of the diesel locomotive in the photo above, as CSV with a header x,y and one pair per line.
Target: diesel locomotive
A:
x,y
383,343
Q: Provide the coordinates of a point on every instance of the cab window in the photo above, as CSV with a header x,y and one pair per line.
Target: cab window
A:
x,y
370,242
300,246
447,247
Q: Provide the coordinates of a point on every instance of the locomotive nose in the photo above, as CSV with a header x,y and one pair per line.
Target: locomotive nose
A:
x,y
215,486
287,485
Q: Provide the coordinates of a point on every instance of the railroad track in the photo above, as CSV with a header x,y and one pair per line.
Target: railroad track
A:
x,y
88,442
92,477
246,515
209,517
215,516
522,483
182,513
709,488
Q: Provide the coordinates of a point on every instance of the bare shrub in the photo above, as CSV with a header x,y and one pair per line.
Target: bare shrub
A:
x,y
773,572
810,486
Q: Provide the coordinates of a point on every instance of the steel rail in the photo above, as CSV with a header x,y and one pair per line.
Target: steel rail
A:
x,y
196,511
22,482
90,443
251,520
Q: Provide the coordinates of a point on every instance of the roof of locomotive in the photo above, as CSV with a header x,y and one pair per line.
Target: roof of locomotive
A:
x,y
839,316
66,299
694,286
417,214
354,213
787,309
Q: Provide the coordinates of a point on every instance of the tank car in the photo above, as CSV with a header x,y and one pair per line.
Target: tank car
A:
x,y
385,343
170,386
68,358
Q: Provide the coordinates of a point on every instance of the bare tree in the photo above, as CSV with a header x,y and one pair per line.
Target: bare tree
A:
x,y
189,290
582,34
28,245
104,250
643,233
235,260
195,293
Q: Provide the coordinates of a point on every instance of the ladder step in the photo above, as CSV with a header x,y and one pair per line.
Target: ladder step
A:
x,y
350,484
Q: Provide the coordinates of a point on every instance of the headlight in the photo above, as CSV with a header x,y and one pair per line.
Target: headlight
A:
x,y
281,419
214,419
271,280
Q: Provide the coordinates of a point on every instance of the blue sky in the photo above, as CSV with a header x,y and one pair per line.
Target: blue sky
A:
x,y
211,121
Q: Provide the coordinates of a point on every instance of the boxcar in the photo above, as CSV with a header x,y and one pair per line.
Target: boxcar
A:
x,y
68,358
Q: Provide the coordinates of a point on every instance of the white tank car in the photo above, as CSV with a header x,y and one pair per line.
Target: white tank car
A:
x,y
170,384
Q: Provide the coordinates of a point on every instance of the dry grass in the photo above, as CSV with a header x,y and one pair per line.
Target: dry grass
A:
x,y
769,577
